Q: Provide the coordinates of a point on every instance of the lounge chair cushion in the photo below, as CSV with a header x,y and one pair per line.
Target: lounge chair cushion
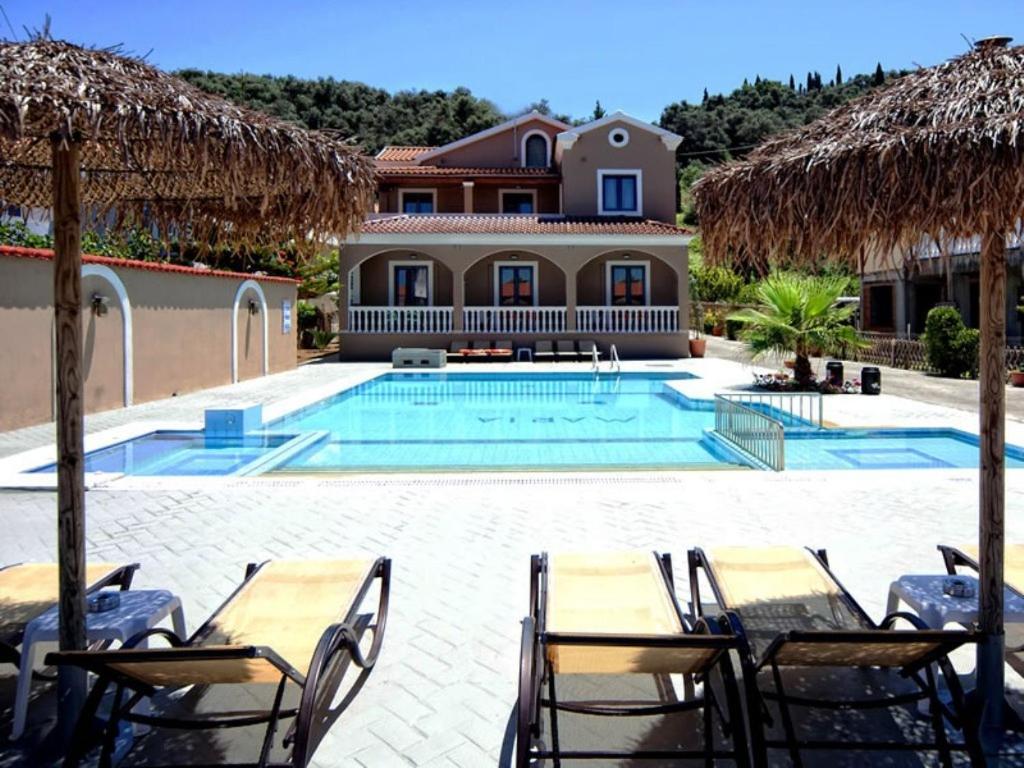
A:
x,y
778,589
619,593
1013,564
286,607
29,589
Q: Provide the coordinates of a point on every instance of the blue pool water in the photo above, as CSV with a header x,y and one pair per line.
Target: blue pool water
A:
x,y
423,421
417,421
180,453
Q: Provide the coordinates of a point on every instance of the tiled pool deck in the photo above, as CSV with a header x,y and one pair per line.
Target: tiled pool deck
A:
x,y
461,543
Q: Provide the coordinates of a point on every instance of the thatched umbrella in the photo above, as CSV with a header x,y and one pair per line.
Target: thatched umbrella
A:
x,y
938,150
95,132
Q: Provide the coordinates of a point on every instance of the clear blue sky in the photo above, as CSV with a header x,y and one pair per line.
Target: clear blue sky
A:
x,y
634,55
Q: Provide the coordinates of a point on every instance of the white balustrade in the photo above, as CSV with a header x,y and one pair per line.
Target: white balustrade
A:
x,y
511,320
627,319
399,319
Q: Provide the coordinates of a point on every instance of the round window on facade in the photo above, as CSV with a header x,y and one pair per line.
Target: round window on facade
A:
x,y
618,137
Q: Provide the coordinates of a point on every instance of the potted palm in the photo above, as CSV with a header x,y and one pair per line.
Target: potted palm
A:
x,y
1017,376
795,315
698,344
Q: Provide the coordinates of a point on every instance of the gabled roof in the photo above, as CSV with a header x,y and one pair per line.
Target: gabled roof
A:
x,y
400,153
568,138
500,128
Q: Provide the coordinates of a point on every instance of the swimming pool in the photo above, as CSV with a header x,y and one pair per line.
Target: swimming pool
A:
x,y
500,421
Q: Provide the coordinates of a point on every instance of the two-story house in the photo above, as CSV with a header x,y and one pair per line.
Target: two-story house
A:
x,y
529,230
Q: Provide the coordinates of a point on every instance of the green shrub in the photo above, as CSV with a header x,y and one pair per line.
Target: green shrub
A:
x,y
306,315
716,283
322,338
950,347
732,329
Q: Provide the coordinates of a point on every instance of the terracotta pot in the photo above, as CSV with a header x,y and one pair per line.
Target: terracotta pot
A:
x,y
697,347
717,330
1016,378
791,364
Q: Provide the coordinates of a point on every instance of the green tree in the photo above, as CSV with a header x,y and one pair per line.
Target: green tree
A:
x,y
797,314
839,75
879,77
598,111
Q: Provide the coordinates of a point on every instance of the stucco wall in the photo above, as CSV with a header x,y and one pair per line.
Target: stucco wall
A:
x,y
592,279
645,151
181,336
375,276
480,279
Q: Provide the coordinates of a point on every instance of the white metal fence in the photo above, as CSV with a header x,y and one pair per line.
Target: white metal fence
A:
x,y
792,408
752,431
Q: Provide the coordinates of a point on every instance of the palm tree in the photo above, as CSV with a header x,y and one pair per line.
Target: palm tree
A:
x,y
798,314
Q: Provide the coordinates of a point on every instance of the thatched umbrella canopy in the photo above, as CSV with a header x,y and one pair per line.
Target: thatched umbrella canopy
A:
x,y
93,132
940,150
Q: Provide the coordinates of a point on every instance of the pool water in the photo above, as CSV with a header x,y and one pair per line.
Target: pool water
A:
x,y
180,453
480,421
451,422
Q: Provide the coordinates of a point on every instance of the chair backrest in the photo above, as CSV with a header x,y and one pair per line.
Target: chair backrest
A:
x,y
503,344
542,346
457,345
587,346
481,344
1013,564
566,345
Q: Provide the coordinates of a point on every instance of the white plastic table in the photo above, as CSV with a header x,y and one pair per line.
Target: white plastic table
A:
x,y
924,595
140,609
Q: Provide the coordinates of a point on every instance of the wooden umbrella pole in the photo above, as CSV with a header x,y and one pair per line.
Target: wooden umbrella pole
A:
x,y
67,307
992,377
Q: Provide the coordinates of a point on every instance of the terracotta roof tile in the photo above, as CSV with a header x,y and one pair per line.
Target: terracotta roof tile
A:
x,y
514,224
399,153
445,170
152,266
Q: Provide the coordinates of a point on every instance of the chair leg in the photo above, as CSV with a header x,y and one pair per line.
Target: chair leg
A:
x,y
110,732
268,738
787,719
938,722
556,750
709,725
81,739
968,724
737,726
525,705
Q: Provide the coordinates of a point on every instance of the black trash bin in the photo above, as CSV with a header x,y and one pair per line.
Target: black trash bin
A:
x,y
834,373
870,380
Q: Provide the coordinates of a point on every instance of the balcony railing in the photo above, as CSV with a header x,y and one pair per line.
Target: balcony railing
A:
x,y
399,319
627,319
496,320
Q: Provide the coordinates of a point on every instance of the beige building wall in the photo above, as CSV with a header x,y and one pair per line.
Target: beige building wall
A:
x,y
479,279
498,151
180,328
645,151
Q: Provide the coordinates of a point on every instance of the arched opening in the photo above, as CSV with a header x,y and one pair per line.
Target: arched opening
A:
x,y
107,353
400,278
536,150
515,278
627,278
249,337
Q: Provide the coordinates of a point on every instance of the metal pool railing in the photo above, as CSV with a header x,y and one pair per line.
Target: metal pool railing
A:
x,y
752,431
792,408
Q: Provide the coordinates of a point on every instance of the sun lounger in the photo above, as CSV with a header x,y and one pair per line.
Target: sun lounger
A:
x,y
587,350
793,612
455,351
288,622
502,351
614,615
543,350
30,589
565,349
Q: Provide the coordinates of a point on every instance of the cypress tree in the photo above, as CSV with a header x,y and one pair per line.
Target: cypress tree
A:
x,y
745,83
705,100
839,75
792,84
598,110
757,80
879,77
810,82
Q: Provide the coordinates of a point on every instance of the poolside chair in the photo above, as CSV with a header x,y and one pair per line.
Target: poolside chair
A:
x,y
288,622
587,349
793,613
30,589
614,617
543,350
502,351
455,351
565,349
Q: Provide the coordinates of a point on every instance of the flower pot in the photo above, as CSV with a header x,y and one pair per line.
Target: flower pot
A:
x,y
791,364
697,347
1016,378
717,330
